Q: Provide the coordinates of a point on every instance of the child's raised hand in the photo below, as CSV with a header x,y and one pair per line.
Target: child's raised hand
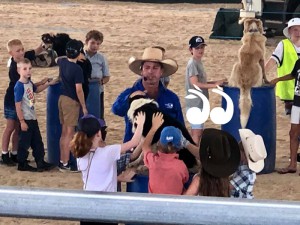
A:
x,y
140,118
52,81
44,80
157,120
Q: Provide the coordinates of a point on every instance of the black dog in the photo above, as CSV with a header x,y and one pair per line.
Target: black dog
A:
x,y
150,107
57,42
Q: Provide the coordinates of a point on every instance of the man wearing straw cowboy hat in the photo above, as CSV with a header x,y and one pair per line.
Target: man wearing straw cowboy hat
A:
x,y
151,67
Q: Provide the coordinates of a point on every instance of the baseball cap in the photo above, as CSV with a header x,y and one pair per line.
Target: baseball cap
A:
x,y
171,135
90,125
73,48
196,41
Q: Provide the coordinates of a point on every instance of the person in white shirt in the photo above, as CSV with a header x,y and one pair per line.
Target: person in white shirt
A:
x,y
96,160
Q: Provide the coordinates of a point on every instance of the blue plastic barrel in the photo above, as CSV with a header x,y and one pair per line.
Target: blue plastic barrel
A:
x,y
93,99
262,119
53,124
140,184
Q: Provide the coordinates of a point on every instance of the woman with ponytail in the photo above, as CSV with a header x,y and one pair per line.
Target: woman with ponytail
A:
x,y
96,160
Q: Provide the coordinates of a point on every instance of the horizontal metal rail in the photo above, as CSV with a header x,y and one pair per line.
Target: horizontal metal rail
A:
x,y
143,208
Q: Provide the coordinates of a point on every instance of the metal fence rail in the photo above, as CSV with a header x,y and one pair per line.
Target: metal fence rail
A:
x,y
143,208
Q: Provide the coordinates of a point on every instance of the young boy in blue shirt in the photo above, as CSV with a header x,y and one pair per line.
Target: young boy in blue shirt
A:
x,y
30,135
16,49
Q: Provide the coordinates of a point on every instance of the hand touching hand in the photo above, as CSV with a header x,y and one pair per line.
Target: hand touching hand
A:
x,y
157,121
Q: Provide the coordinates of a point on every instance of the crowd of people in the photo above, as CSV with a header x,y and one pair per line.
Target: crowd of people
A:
x,y
228,168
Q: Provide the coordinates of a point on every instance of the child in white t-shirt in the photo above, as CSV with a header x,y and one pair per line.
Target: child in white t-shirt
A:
x,y
96,160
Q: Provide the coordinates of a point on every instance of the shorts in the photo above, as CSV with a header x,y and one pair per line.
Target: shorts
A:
x,y
68,111
196,126
295,115
10,113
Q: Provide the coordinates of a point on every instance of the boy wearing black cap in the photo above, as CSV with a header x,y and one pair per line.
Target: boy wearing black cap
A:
x,y
70,100
196,76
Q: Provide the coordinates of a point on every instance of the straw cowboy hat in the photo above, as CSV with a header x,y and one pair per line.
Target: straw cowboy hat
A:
x,y
291,23
255,149
153,55
219,153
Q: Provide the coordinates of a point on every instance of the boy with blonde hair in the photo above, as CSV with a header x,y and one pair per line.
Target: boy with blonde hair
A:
x,y
30,135
16,50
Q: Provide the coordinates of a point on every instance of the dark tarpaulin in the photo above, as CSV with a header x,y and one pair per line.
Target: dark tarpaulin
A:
x,y
226,25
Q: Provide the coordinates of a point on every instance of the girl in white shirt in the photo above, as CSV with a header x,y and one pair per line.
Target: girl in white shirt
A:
x,y
96,160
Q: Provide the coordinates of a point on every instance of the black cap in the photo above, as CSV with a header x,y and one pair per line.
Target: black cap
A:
x,y
73,48
90,125
196,41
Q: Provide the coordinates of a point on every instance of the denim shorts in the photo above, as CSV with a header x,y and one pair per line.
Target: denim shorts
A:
x,y
10,113
196,126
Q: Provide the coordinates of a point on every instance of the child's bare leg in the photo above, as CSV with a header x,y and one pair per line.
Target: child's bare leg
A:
x,y
9,129
66,137
15,137
294,144
196,135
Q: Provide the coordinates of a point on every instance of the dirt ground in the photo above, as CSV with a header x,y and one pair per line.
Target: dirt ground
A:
x,y
128,28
